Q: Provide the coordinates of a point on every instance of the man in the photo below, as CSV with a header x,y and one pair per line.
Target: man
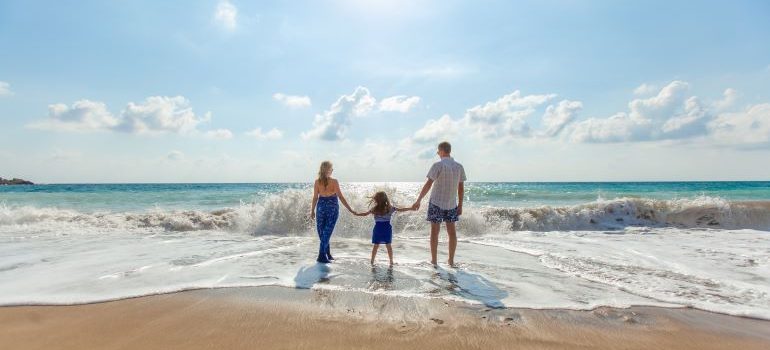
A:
x,y
446,177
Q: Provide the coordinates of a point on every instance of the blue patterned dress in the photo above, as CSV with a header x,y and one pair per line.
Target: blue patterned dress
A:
x,y
327,211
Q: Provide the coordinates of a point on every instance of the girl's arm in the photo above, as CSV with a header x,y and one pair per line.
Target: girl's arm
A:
x,y
405,209
315,200
342,197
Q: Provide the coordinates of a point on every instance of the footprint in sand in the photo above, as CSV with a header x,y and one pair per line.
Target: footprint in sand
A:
x,y
438,321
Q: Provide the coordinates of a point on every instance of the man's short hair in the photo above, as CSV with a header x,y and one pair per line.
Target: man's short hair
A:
x,y
445,146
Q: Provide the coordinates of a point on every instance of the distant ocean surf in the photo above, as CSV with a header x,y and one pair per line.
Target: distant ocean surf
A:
x,y
540,245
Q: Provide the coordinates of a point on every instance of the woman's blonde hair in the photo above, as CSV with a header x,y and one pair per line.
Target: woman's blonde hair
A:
x,y
323,172
380,203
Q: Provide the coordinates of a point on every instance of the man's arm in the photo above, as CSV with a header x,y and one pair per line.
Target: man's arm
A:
x,y
425,189
460,191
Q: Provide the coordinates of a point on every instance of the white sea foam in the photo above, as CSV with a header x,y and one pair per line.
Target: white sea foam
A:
x,y
288,214
702,252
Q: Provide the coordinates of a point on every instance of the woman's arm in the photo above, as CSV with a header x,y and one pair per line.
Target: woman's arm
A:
x,y
342,197
315,200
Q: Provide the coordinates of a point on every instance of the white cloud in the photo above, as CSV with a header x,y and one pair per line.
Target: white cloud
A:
x,y
273,134
750,126
399,103
690,123
661,105
506,115
668,114
729,96
156,115
557,117
334,123
292,101
672,114
226,15
175,155
219,134
645,89
617,128
5,89
433,130
161,114
83,115
361,100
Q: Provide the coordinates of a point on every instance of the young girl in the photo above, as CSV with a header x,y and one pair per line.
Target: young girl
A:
x,y
383,231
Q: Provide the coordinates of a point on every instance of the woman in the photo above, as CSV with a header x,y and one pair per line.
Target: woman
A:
x,y
325,193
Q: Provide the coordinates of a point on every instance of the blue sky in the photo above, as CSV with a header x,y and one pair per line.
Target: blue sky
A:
x,y
222,91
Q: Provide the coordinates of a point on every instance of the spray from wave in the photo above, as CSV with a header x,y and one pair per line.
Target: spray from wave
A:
x,y
288,214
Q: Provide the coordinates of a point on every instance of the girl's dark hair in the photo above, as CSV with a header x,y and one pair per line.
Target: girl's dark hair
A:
x,y
380,203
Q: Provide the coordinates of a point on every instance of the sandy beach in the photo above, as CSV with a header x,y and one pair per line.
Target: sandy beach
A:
x,y
284,318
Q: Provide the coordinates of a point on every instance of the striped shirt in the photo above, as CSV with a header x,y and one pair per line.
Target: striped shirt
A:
x,y
446,175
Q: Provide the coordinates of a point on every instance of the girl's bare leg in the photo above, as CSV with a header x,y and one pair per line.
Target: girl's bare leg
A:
x,y
374,251
390,253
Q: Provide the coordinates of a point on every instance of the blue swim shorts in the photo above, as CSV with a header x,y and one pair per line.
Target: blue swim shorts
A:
x,y
438,215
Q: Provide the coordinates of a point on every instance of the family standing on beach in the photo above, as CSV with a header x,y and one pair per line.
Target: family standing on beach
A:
x,y
445,183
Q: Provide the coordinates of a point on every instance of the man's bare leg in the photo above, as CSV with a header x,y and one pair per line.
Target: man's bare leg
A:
x,y
451,231
434,229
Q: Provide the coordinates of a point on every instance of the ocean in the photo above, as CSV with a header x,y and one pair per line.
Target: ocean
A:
x,y
578,246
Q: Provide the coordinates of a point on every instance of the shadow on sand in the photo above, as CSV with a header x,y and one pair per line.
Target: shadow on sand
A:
x,y
307,276
469,286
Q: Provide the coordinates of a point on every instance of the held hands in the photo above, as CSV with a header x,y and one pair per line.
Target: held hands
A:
x,y
416,206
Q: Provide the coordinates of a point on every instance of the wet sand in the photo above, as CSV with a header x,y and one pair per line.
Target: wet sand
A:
x,y
285,318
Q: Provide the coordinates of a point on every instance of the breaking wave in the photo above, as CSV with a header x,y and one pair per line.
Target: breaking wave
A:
x,y
288,214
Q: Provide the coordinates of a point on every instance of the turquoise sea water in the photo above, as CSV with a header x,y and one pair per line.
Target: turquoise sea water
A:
x,y
137,197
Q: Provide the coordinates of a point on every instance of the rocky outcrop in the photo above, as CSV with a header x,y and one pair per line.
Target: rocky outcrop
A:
x,y
15,181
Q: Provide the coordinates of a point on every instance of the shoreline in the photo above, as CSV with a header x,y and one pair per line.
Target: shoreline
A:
x,y
281,317
455,303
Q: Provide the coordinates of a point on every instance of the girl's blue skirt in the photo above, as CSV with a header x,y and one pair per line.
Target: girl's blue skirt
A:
x,y
382,233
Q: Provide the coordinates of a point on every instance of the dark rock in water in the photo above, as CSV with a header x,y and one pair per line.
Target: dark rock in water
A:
x,y
592,221
15,181
619,219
